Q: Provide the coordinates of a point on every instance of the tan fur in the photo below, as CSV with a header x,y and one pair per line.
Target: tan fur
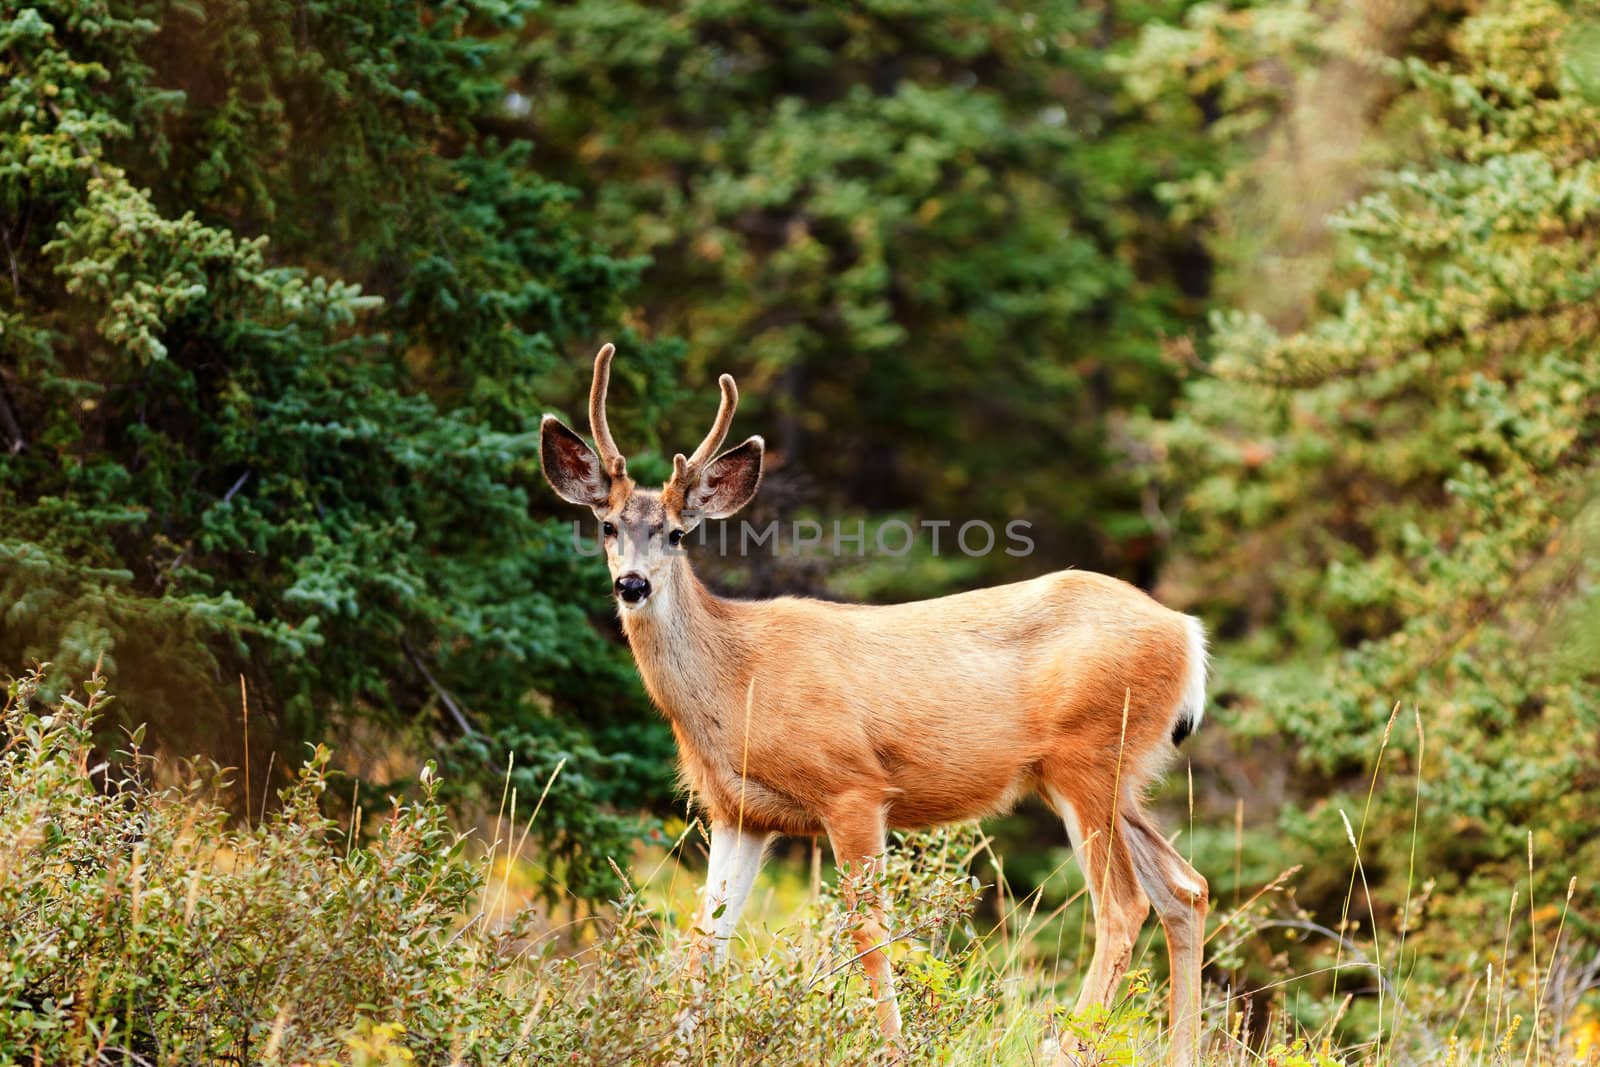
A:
x,y
944,710
801,717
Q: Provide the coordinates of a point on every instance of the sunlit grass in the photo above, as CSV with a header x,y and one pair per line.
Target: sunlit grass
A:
x,y
304,940
1028,952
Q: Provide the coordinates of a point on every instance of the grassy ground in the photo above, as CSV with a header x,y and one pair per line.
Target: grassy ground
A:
x,y
142,927
1013,962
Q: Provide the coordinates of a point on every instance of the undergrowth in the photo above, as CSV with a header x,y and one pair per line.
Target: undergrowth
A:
x,y
141,926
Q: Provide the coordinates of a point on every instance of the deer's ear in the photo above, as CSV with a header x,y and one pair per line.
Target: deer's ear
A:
x,y
570,466
729,481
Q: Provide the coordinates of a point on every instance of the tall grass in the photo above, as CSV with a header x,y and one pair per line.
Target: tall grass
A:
x,y
142,927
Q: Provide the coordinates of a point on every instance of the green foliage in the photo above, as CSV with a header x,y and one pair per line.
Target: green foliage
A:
x,y
137,927
136,924
281,315
1297,110
285,287
1397,503
926,236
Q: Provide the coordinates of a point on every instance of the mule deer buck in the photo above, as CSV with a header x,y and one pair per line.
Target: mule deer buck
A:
x,y
796,716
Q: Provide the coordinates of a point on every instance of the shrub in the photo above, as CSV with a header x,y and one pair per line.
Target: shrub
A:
x,y
139,927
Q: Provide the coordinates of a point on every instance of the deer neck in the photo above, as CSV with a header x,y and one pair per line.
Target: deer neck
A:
x,y
691,654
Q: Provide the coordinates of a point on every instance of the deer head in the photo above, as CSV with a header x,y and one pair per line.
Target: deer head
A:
x,y
644,529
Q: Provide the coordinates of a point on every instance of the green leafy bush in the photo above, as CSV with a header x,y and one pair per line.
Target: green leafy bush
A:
x,y
139,928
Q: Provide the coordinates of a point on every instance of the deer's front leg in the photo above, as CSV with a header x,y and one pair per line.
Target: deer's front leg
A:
x,y
735,861
858,834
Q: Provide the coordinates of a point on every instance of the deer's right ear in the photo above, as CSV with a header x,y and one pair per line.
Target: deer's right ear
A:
x,y
570,465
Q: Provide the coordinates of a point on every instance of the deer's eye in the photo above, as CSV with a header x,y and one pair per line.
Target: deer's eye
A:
x,y
675,538
608,529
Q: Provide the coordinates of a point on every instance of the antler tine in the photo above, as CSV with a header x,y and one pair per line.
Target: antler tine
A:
x,y
719,429
610,458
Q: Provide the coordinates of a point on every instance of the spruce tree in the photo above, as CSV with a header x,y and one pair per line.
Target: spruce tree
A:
x,y
279,314
1391,514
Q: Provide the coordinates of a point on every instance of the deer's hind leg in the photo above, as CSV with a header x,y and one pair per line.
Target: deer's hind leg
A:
x,y
857,829
1179,894
1119,902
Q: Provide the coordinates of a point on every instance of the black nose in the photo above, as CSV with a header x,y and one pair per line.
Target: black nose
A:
x,y
632,588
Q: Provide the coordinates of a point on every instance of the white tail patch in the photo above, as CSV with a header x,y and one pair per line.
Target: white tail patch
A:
x,y
1193,707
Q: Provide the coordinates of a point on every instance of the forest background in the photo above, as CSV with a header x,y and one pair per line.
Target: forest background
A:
x,y
1287,311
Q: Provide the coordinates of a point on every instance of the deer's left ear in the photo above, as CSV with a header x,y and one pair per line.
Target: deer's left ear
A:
x,y
729,481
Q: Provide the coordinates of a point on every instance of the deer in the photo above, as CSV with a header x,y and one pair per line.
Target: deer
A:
x,y
797,716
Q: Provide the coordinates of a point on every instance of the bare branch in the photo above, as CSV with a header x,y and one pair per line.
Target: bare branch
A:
x,y
444,694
